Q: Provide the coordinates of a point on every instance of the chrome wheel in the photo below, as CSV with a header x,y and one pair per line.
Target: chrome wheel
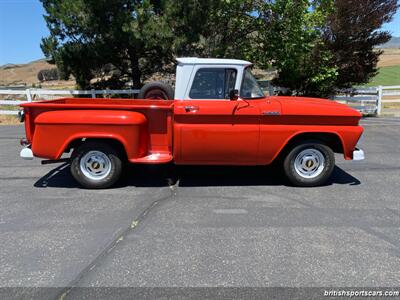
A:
x,y
95,165
309,163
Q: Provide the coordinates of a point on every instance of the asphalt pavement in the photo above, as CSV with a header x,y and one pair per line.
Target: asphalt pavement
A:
x,y
168,226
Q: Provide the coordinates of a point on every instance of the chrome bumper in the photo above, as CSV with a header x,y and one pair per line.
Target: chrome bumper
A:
x,y
358,154
26,153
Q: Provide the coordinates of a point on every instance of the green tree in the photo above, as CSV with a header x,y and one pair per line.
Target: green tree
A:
x,y
318,46
86,35
289,39
352,33
187,19
138,38
211,28
48,75
230,29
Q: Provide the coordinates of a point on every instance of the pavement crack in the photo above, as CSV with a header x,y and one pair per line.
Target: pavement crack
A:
x,y
118,239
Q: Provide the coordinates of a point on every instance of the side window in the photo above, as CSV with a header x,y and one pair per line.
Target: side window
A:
x,y
213,83
250,88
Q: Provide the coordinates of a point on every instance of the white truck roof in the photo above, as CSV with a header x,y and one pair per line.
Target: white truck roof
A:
x,y
211,61
188,66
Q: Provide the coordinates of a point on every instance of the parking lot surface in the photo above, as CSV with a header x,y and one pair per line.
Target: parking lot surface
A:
x,y
167,226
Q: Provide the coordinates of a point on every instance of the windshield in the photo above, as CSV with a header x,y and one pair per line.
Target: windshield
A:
x,y
250,88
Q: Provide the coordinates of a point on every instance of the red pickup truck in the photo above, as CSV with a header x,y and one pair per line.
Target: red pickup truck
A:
x,y
218,116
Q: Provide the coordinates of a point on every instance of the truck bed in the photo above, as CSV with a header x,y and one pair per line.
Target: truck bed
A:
x,y
157,112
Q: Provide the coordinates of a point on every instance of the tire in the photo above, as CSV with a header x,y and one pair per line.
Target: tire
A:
x,y
96,165
309,164
156,90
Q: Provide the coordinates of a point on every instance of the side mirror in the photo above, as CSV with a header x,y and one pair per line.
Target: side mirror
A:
x,y
234,94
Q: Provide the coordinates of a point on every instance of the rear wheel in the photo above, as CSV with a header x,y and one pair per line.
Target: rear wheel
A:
x,y
96,165
309,164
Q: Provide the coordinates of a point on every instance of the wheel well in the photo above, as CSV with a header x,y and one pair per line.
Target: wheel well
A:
x,y
116,144
331,140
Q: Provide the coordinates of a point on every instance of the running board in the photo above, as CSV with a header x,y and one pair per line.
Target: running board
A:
x,y
55,161
154,158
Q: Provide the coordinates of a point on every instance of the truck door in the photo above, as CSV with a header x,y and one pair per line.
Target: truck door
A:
x,y
209,128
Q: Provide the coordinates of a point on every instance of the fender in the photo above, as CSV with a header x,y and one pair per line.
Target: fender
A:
x,y
347,135
55,130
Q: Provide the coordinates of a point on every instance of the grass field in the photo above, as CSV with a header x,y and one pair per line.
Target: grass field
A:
x,y
9,120
389,75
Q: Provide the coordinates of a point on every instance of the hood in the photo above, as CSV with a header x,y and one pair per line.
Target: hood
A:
x,y
314,107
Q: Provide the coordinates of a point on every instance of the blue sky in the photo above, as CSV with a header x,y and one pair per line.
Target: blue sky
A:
x,y
22,26
21,29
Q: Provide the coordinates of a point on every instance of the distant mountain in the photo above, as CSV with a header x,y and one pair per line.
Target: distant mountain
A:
x,y
393,43
9,66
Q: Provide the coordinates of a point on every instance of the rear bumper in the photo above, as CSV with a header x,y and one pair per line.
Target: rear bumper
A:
x,y
358,154
26,153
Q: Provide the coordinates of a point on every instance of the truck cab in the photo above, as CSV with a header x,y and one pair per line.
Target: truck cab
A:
x,y
218,103
208,78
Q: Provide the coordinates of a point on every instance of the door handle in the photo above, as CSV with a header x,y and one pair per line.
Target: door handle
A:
x,y
192,108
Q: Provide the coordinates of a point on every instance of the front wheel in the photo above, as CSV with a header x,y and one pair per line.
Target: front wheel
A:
x,y
96,165
309,164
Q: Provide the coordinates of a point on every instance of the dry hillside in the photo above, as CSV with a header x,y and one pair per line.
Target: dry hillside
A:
x,y
26,74
390,57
